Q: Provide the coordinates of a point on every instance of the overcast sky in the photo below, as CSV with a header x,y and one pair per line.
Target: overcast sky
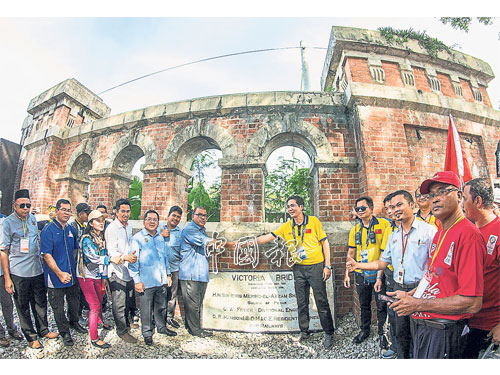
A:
x,y
38,53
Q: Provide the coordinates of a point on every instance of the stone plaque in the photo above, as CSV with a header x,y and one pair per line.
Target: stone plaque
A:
x,y
254,301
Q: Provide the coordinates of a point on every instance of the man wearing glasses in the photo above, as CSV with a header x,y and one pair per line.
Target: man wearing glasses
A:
x,y
22,268
193,270
424,209
365,240
151,274
58,243
452,287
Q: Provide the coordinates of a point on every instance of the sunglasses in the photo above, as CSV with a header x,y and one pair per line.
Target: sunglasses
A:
x,y
360,209
25,205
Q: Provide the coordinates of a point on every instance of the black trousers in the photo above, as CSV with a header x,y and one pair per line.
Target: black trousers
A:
x,y
172,293
391,314
477,340
7,309
193,293
403,331
30,292
307,277
122,293
365,291
434,343
153,302
56,300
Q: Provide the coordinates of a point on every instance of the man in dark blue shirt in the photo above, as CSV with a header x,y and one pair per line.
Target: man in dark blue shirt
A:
x,y
58,243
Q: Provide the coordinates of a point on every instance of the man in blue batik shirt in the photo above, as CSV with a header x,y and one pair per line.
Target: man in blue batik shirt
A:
x,y
193,270
151,275
172,234
58,242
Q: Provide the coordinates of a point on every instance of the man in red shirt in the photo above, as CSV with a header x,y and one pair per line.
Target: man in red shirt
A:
x,y
452,287
478,207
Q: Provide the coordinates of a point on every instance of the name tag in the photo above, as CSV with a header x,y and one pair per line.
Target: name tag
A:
x,y
364,256
422,286
490,246
25,245
401,275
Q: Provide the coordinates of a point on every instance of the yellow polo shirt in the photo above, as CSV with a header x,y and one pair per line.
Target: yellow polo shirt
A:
x,y
387,233
379,225
313,235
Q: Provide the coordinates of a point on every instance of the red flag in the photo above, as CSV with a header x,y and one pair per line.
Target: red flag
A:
x,y
455,157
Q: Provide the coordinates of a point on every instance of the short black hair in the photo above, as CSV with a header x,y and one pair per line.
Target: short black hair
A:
x,y
407,195
297,199
368,200
151,212
199,208
62,201
388,197
175,209
102,206
481,187
122,202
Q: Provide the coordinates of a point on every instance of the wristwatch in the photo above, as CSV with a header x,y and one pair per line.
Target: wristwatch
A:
x,y
329,267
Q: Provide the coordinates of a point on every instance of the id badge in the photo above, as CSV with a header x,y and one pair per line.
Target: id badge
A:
x,y
422,286
401,275
25,245
364,256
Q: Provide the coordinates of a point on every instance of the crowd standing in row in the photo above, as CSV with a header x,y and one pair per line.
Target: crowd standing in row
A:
x,y
434,274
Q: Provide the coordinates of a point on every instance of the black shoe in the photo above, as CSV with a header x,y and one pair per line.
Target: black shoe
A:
x,y
304,335
384,344
102,346
78,328
67,339
328,342
168,332
173,323
148,341
16,335
362,336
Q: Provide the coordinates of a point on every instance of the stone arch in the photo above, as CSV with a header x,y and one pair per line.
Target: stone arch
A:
x,y
87,148
128,147
288,131
81,167
201,136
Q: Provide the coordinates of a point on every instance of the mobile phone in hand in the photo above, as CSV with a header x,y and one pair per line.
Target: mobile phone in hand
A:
x,y
385,298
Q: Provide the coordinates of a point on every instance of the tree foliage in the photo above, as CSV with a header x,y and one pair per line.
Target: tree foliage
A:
x,y
463,23
135,197
400,37
199,194
286,180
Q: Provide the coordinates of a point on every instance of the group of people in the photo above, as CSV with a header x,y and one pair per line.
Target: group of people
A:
x,y
434,273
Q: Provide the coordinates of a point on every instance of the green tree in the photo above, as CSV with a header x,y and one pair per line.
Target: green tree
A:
x,y
135,197
286,180
463,23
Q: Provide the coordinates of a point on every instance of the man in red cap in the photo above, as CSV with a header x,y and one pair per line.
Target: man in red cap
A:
x,y
452,287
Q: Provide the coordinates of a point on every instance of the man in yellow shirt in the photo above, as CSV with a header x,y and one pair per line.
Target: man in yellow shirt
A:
x,y
365,240
310,251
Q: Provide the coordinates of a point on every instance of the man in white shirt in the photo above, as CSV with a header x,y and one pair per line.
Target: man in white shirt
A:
x,y
118,236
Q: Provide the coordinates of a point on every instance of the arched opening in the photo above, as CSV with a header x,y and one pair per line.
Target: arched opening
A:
x,y
128,177
79,182
288,173
204,186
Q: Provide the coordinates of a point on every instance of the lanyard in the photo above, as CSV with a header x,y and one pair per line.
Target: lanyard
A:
x,y
25,224
403,242
368,231
441,242
306,220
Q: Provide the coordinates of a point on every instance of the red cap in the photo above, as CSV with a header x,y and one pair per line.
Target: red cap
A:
x,y
446,177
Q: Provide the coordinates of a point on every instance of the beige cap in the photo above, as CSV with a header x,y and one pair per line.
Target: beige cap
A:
x,y
94,215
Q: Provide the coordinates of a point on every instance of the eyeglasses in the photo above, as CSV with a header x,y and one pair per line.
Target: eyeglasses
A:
x,y
65,210
202,215
423,197
25,205
360,209
153,220
441,193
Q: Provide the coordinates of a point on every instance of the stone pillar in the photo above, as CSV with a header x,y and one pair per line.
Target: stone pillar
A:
x,y
107,189
242,195
164,188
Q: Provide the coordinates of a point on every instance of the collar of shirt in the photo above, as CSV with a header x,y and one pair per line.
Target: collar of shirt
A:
x,y
415,225
145,233
197,226
59,225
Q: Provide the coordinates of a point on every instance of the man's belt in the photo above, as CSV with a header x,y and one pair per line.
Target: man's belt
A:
x,y
406,287
439,323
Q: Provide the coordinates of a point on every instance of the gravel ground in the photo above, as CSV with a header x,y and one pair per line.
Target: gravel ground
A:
x,y
221,345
